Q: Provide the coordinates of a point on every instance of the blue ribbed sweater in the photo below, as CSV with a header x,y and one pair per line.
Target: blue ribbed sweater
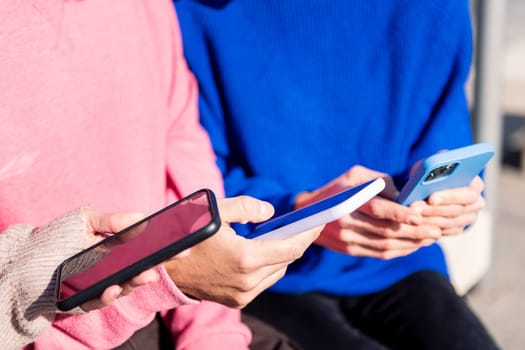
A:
x,y
295,92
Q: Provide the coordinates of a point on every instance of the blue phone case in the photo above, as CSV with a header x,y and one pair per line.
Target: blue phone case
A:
x,y
442,171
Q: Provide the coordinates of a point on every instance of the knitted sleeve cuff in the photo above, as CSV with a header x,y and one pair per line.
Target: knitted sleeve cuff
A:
x,y
29,259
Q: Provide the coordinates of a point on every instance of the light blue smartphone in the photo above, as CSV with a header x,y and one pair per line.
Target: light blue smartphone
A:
x,y
442,171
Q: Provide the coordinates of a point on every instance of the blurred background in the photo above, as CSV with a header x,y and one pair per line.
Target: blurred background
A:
x,y
497,94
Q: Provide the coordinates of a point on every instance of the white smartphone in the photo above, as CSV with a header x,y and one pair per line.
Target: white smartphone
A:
x,y
319,213
447,170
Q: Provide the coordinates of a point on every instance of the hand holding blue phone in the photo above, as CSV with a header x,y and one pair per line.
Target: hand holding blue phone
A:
x,y
447,170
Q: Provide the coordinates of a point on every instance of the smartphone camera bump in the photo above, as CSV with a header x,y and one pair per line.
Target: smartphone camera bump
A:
x,y
441,171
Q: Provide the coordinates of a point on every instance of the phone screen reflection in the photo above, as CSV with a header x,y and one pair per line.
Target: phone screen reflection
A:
x,y
134,244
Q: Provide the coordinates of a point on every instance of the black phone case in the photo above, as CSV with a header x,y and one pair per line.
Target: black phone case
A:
x,y
158,257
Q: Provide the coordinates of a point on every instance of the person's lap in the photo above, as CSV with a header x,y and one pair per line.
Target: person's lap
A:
x,y
156,336
266,337
420,312
314,320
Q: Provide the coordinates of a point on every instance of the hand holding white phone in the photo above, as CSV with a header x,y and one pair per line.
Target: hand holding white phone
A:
x,y
319,213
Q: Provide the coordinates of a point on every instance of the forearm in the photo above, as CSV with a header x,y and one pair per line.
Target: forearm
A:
x,y
29,257
115,323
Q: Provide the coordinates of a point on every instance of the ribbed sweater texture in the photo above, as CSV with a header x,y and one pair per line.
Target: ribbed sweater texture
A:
x,y
295,92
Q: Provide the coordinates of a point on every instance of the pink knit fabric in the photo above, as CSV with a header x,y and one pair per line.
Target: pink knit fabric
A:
x,y
97,107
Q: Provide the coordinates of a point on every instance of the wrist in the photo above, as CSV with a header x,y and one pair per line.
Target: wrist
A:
x,y
39,256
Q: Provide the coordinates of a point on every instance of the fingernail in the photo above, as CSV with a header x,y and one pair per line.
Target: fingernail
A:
x,y
156,276
117,293
265,209
436,200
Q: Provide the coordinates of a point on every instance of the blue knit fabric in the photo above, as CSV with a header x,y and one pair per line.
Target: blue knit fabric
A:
x,y
295,92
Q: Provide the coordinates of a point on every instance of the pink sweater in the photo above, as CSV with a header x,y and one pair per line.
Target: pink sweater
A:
x,y
97,107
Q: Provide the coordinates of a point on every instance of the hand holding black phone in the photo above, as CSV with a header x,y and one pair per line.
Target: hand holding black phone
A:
x,y
137,248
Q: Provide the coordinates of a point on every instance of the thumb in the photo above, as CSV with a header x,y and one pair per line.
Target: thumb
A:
x,y
244,209
111,222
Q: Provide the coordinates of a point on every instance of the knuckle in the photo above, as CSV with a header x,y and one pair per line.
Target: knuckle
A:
x,y
373,208
341,236
246,285
244,299
296,252
457,222
350,250
391,254
388,232
385,255
245,203
350,174
234,300
354,250
384,245
245,263
357,170
281,273
387,245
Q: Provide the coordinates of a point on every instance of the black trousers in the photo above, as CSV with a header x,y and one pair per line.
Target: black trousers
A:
x,y
421,311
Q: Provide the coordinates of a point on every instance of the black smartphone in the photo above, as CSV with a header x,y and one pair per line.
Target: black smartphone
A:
x,y
137,248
